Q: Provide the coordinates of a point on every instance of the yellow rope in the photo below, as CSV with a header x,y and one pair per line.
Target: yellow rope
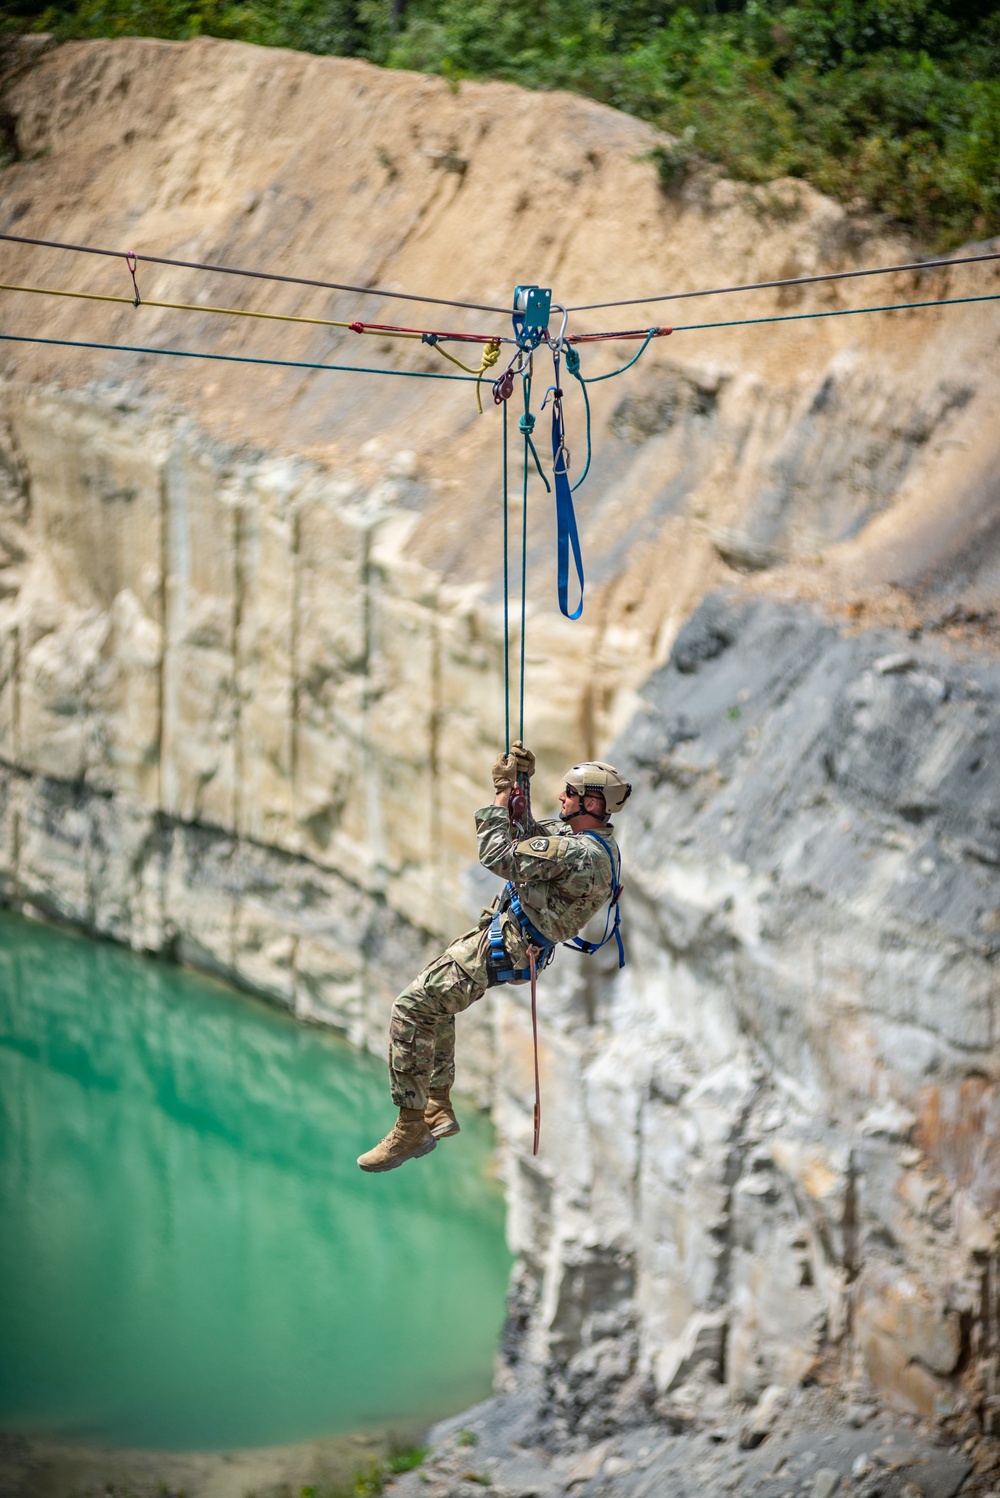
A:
x,y
491,353
93,296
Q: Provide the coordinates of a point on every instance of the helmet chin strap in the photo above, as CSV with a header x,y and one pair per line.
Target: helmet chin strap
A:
x,y
581,811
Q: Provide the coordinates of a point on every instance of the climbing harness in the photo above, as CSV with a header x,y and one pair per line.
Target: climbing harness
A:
x,y
540,950
499,960
613,923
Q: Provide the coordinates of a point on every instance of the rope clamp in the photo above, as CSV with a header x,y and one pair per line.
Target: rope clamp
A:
x,y
430,338
131,261
531,315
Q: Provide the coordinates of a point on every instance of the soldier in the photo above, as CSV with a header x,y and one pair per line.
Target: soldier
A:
x,y
559,874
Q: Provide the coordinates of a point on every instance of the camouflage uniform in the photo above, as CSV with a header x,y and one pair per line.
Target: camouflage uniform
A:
x,y
562,878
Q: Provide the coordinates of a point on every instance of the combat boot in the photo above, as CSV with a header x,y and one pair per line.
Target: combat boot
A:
x,y
408,1139
439,1115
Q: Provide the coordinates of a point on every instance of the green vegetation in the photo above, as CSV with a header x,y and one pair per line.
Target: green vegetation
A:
x,y
369,1481
890,105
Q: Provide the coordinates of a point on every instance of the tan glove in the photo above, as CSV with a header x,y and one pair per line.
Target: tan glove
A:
x,y
523,759
504,772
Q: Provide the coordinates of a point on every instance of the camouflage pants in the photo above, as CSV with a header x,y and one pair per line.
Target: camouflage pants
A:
x,y
422,1028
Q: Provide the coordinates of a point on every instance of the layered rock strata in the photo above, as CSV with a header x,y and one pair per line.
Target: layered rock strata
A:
x,y
771,1148
251,674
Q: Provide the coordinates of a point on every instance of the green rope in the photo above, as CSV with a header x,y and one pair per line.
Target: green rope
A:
x,y
527,423
183,353
634,360
506,599
573,365
741,322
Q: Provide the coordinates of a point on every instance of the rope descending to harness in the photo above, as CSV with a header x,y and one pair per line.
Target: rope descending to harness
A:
x,y
533,969
539,950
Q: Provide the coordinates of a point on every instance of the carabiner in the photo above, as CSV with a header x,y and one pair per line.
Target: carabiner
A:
x,y
556,345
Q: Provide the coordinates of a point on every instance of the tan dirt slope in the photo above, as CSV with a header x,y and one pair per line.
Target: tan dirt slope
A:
x,y
335,170
251,676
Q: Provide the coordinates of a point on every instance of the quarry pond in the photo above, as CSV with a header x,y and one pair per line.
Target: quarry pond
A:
x,y
189,1256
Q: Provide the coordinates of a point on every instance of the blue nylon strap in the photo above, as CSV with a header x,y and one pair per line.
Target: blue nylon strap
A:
x,y
498,955
527,928
590,947
567,536
498,952
511,901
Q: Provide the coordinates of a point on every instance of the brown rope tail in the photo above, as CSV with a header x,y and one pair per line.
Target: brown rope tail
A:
x,y
533,970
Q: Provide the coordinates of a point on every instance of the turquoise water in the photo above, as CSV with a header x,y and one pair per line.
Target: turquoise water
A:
x,y
190,1258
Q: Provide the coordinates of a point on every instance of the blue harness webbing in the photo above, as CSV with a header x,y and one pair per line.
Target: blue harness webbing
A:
x,y
509,900
567,535
610,930
498,953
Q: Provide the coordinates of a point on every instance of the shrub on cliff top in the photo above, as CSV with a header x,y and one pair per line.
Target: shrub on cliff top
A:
x,y
893,105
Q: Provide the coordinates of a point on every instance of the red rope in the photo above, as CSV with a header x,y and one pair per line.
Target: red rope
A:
x,y
382,327
629,333
533,970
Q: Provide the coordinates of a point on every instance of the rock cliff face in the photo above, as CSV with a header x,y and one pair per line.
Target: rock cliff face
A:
x,y
251,668
775,1135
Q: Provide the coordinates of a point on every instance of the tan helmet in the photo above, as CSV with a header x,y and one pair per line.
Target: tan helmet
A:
x,y
594,778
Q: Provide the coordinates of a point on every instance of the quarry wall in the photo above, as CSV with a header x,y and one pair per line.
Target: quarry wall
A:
x,y
251,680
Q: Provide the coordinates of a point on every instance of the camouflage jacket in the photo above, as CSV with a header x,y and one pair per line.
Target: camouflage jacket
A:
x,y
562,877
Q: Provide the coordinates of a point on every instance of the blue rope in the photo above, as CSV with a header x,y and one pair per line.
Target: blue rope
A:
x,y
183,353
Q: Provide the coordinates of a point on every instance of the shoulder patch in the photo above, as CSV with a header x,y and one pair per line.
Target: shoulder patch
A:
x,y
541,847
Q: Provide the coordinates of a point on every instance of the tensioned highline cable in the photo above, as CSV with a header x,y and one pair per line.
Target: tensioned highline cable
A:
x,y
186,353
417,374
490,342
258,275
835,275
746,322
